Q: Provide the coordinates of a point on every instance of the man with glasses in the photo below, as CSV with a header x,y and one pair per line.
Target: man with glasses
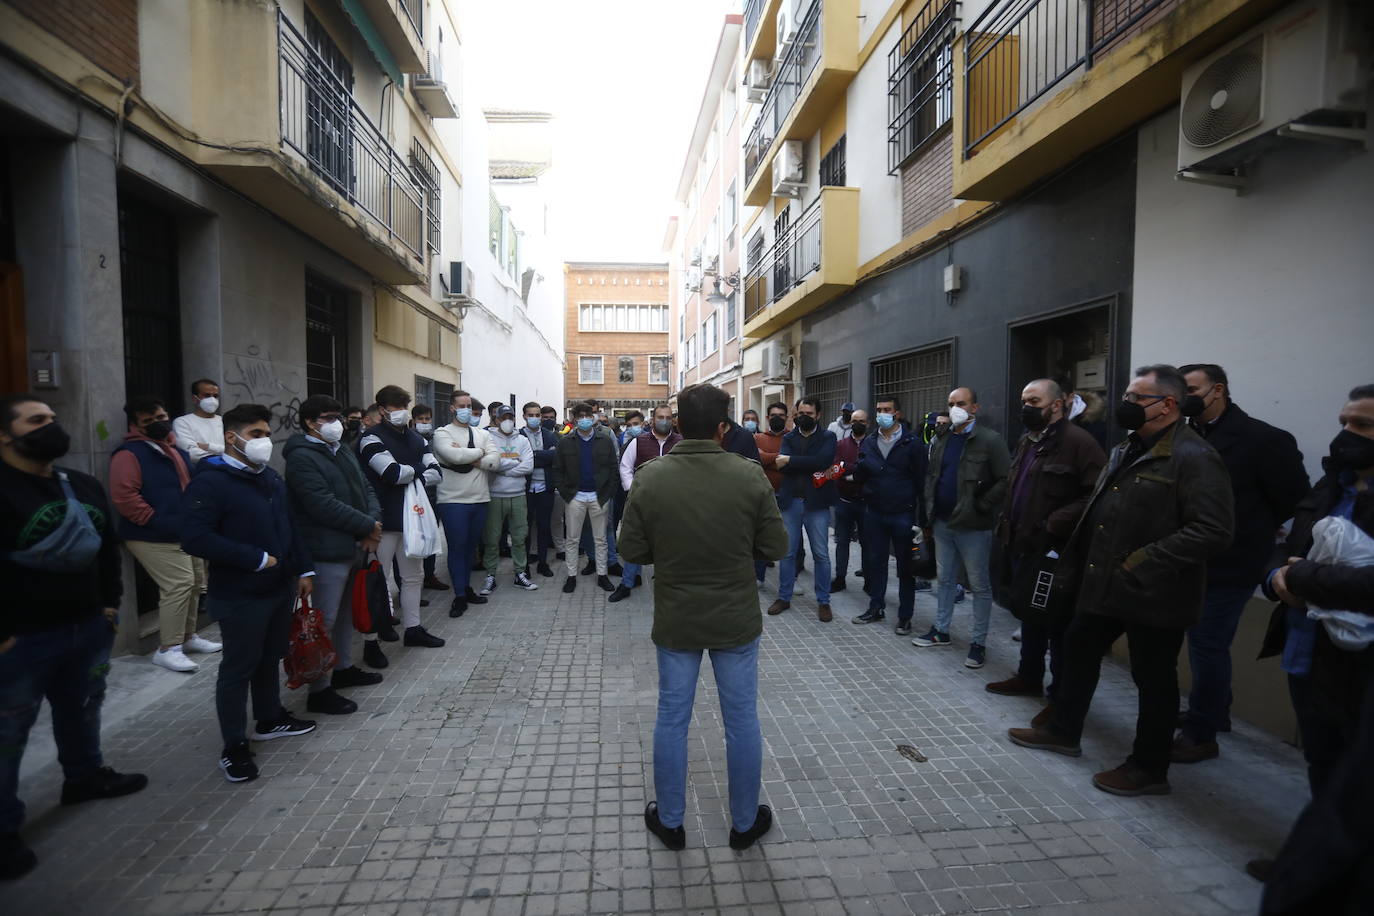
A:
x,y
1161,507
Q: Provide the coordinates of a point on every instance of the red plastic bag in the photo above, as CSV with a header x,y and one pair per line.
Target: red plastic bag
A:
x,y
369,600
310,655
834,472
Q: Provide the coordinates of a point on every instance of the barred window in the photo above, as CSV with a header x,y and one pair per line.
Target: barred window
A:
x,y
832,165
920,87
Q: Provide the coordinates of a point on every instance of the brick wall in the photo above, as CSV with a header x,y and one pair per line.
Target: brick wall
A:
x,y
610,285
105,31
927,184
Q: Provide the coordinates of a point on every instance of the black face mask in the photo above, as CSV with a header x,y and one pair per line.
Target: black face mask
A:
x,y
805,423
777,423
1349,451
859,428
547,423
1192,406
1034,418
46,443
353,425
1130,415
158,430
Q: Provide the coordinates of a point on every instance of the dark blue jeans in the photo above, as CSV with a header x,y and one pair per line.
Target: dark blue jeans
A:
x,y
463,524
849,519
540,506
67,666
255,632
884,533
1036,640
1209,655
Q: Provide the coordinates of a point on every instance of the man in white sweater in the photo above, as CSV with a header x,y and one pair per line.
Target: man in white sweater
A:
x,y
508,509
201,432
466,454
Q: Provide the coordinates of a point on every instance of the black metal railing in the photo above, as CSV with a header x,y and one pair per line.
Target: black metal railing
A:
x,y
795,255
920,81
791,75
753,12
1018,50
414,11
322,123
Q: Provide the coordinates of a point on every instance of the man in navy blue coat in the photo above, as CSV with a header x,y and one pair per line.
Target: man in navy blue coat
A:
x,y
237,519
806,450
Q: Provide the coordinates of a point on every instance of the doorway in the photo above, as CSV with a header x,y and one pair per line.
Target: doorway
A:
x,y
1076,346
151,302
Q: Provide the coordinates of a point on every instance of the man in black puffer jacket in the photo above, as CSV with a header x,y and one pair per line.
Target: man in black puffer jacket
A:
x,y
236,517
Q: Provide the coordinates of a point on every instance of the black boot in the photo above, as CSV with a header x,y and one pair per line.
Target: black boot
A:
x,y
16,859
762,824
545,571
473,597
605,583
329,702
569,585
103,783
373,656
620,594
419,636
459,607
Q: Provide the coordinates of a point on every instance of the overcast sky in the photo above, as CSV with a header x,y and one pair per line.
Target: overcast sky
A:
x,y
623,79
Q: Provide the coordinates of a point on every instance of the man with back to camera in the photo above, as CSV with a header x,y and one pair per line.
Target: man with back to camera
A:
x,y
702,516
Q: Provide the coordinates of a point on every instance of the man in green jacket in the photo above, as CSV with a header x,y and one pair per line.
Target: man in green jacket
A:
x,y
335,510
703,516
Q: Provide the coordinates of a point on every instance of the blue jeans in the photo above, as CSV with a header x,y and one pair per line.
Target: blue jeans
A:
x,y
67,665
631,571
1209,655
849,518
884,533
817,523
737,682
956,547
464,524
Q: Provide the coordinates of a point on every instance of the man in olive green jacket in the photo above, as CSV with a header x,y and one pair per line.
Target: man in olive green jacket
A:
x,y
703,516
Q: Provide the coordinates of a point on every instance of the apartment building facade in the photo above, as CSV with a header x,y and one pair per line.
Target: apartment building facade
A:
x,y
616,328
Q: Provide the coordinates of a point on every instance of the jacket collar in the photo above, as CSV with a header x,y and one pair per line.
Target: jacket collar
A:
x,y
697,446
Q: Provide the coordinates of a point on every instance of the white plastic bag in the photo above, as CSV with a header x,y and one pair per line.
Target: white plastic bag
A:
x,y
1339,540
420,527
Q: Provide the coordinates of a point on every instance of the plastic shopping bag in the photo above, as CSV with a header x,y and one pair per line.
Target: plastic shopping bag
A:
x,y
420,527
310,655
1339,540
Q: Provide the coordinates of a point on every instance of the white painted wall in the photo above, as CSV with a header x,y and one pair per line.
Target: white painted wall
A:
x,y
880,194
1275,285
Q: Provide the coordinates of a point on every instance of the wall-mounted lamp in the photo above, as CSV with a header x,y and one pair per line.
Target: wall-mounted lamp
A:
x,y
717,297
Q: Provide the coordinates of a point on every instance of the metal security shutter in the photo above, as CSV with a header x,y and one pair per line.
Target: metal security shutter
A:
x,y
920,380
833,390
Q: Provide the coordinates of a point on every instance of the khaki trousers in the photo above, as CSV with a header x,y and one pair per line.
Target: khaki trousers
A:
x,y
175,575
575,512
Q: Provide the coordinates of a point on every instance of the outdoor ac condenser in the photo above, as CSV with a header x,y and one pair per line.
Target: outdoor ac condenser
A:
x,y
789,170
760,76
1301,66
776,362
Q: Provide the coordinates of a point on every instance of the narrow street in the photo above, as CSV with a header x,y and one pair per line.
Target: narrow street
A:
x,y
506,773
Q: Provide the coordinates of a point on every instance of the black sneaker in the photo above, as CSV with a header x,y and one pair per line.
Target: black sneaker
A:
x,y
16,859
329,702
284,726
620,594
762,824
869,616
386,633
545,571
353,676
103,783
236,760
675,838
522,580
589,568
903,628
569,585
605,583
458,607
373,655
419,636
424,602
615,569
473,597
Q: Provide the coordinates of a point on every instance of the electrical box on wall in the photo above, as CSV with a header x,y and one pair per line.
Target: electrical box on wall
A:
x,y
954,278
43,368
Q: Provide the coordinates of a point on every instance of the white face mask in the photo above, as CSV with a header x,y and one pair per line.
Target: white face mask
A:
x,y
958,416
399,417
257,451
424,429
209,405
507,426
332,431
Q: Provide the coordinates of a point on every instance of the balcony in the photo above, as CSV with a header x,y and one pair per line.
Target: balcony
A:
x,y
1042,82
761,28
812,262
431,91
399,23
808,82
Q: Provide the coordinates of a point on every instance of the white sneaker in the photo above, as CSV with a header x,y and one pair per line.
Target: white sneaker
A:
x,y
197,643
488,586
173,660
1016,637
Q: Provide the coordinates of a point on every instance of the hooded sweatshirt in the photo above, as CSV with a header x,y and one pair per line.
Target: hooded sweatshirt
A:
x,y
509,479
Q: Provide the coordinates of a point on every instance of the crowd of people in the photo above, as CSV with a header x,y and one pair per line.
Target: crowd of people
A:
x,y
1162,540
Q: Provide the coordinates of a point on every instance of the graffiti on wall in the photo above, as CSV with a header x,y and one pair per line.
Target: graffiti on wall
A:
x,y
255,378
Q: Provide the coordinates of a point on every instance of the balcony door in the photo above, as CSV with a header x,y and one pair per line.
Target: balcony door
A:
x,y
782,251
326,339
329,99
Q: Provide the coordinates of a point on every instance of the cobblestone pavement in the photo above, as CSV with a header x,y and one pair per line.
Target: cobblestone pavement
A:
x,y
506,774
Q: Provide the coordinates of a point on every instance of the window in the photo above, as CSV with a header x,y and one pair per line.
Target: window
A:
x,y
326,339
329,95
627,370
427,178
589,370
832,166
730,317
731,208
625,318
920,93
833,390
495,220
691,359
658,370
708,336
424,394
921,380
682,327
443,399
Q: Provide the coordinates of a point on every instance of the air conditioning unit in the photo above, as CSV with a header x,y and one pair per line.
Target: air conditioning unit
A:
x,y
693,281
776,363
695,260
759,79
789,170
459,279
1299,73
787,34
712,264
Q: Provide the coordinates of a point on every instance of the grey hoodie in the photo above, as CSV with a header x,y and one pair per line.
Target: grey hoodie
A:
x,y
511,481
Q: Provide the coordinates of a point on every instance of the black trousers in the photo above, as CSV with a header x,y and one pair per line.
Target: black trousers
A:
x,y
1036,640
255,632
1154,668
539,507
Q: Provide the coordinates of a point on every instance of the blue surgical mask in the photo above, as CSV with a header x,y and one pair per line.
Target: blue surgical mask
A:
x,y
633,431
463,415
885,420
532,422
585,423
751,425
475,420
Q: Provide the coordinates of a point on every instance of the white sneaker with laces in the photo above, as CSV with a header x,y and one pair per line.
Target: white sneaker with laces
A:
x,y
173,659
488,586
197,643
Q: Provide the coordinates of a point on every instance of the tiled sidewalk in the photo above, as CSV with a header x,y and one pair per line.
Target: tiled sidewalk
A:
x,y
506,774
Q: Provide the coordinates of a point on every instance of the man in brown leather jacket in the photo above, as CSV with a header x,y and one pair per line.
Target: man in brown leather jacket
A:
x,y
1160,509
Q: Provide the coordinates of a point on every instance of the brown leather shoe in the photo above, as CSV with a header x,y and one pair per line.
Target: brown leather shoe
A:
x,y
1043,717
777,607
1042,739
1129,779
823,612
1186,750
1014,687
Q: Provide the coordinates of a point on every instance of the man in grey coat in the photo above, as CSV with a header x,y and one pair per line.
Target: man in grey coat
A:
x,y
335,511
